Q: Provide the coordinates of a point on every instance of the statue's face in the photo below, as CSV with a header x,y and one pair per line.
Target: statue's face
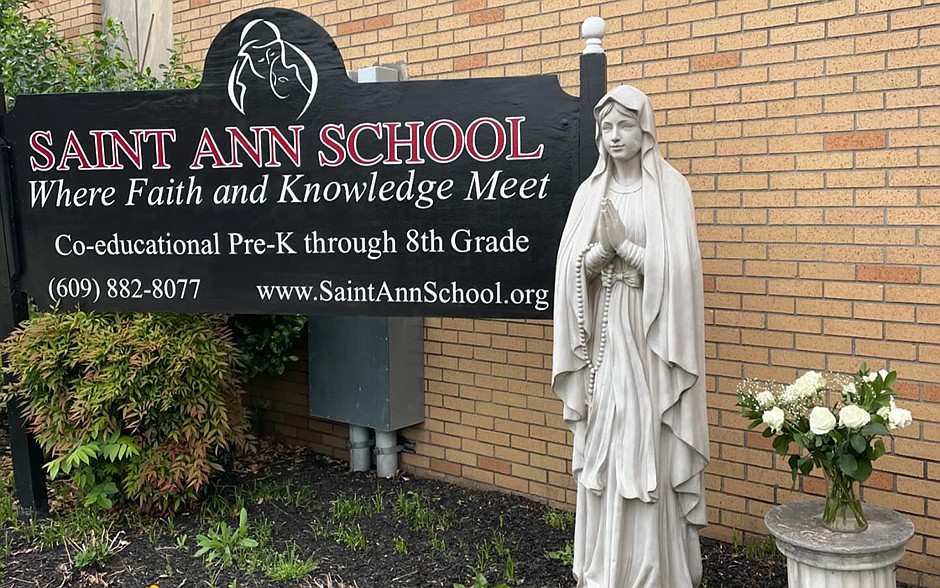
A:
x,y
621,134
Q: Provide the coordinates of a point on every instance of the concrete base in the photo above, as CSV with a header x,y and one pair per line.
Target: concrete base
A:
x,y
820,558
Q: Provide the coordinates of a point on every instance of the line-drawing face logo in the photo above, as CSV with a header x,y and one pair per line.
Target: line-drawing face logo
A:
x,y
289,72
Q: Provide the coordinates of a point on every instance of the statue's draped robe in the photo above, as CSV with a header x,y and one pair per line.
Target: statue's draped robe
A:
x,y
641,442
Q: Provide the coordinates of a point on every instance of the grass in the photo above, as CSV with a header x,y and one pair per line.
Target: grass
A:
x,y
347,508
85,532
559,520
87,537
318,529
437,544
259,492
7,504
97,549
410,505
287,565
218,505
350,537
759,548
233,535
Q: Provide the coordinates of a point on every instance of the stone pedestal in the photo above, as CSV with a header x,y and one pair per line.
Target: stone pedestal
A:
x,y
820,558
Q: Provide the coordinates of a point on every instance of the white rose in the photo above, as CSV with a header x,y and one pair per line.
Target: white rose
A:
x,y
884,411
853,416
898,418
870,377
773,418
883,374
821,421
765,399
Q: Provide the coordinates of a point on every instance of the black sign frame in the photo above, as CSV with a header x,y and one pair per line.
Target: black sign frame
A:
x,y
280,186
18,247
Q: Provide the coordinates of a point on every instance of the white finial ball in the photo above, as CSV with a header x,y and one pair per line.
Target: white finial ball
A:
x,y
593,28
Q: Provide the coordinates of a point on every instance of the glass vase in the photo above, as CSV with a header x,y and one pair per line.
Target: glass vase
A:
x,y
843,510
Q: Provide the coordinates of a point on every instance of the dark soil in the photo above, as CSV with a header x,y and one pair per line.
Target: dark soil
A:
x,y
299,495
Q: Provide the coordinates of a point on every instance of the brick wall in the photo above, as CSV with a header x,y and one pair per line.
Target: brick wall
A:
x,y
810,133
72,17
279,405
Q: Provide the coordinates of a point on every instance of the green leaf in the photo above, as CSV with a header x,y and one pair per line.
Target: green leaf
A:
x,y
794,461
877,451
848,464
863,471
859,444
806,465
782,444
53,468
874,428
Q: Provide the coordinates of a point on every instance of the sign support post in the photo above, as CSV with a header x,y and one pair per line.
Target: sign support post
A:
x,y
593,87
28,458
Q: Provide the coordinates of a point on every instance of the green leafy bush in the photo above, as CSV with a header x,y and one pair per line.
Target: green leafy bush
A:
x,y
129,406
36,59
134,406
266,341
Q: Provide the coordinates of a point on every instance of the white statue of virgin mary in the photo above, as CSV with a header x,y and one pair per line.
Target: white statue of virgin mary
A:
x,y
629,360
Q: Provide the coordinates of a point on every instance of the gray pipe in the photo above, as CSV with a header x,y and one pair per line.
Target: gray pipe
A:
x,y
360,456
386,453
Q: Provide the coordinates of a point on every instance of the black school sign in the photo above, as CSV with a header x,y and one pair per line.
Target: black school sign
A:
x,y
281,186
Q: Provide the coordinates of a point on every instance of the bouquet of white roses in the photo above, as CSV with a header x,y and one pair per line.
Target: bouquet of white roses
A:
x,y
842,438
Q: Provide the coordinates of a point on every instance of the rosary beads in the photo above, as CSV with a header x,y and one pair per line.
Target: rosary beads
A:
x,y
607,278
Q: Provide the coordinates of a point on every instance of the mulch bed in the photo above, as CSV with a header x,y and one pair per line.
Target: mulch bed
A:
x,y
296,493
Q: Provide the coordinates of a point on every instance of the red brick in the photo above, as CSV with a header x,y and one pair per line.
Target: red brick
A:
x,y
468,6
377,22
888,273
718,61
348,28
932,393
446,467
469,62
855,141
486,17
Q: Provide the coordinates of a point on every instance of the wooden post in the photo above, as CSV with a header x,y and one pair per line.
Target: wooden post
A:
x,y
28,475
593,88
